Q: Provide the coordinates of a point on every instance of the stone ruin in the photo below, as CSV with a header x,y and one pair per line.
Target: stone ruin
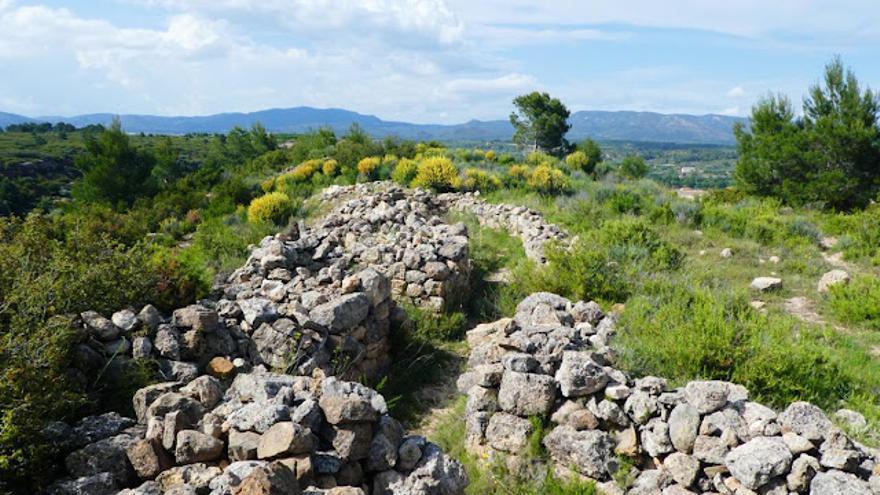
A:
x,y
259,433
552,360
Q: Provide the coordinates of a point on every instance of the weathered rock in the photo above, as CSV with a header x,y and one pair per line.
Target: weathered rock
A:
x,y
707,396
806,420
105,456
272,479
682,467
684,424
102,328
342,313
507,432
125,320
579,375
765,284
193,446
758,461
340,409
147,458
284,438
526,394
838,483
832,278
243,445
590,452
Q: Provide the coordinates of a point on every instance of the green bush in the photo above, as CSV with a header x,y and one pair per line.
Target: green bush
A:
x,y
405,171
479,180
858,301
633,167
687,333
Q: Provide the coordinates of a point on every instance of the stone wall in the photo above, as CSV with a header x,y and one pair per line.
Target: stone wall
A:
x,y
553,360
259,433
525,223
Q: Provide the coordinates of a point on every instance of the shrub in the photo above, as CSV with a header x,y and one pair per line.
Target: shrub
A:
x,y
858,301
301,172
633,167
436,173
687,333
491,156
536,158
480,180
518,175
405,171
578,161
330,167
804,228
633,239
547,180
367,166
273,207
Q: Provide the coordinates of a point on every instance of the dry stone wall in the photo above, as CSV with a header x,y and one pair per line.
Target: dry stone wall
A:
x,y
260,433
552,360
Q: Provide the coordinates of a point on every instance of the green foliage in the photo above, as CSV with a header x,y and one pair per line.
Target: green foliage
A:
x,y
273,207
858,301
479,180
49,269
436,173
114,171
828,156
540,122
579,161
546,179
633,167
687,333
593,153
405,171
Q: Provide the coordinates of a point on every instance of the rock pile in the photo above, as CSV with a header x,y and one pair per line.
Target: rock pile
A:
x,y
260,433
552,360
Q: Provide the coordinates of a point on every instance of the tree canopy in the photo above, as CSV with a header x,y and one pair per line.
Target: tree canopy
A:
x,y
540,123
830,155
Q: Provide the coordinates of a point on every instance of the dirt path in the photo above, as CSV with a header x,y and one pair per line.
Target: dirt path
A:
x,y
440,397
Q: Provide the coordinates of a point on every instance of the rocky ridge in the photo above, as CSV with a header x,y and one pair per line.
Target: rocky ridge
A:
x,y
553,360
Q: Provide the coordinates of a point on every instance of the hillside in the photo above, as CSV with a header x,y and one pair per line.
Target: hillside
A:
x,y
628,126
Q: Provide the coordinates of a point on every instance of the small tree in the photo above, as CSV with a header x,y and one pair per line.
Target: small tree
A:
x,y
830,155
593,152
633,167
578,161
114,171
540,123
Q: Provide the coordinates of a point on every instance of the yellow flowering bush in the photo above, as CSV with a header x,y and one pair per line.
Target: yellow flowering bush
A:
x,y
538,158
368,166
302,172
491,155
330,167
518,174
548,180
274,207
405,171
480,180
437,173
577,160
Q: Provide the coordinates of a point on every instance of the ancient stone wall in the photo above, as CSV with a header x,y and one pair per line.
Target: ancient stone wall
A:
x,y
552,360
259,433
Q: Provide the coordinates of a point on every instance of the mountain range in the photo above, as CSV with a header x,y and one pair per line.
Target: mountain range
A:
x,y
599,125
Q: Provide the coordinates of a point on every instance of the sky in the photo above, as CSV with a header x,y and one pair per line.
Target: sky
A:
x,y
424,61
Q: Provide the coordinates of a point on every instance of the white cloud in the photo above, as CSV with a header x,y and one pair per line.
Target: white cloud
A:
x,y
736,92
506,83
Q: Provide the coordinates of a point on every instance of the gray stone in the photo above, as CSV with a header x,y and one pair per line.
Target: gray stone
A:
x,y
105,456
684,423
284,438
591,452
839,483
579,375
167,342
758,461
242,445
806,420
683,468
102,328
832,278
150,317
707,396
125,320
803,469
342,313
98,484
194,446
764,284
507,432
526,394
257,310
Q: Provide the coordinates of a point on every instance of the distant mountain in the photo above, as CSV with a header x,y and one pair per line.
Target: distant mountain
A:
x,y
11,118
623,126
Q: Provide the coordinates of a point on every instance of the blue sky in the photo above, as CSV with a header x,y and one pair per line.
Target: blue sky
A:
x,y
442,61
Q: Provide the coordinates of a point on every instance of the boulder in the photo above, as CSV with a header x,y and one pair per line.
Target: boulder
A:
x,y
526,394
342,313
271,479
839,483
684,424
832,278
590,452
508,433
579,375
758,461
765,284
284,438
806,420
194,446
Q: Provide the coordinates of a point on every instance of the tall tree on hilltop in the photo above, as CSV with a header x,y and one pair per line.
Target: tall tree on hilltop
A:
x,y
540,123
